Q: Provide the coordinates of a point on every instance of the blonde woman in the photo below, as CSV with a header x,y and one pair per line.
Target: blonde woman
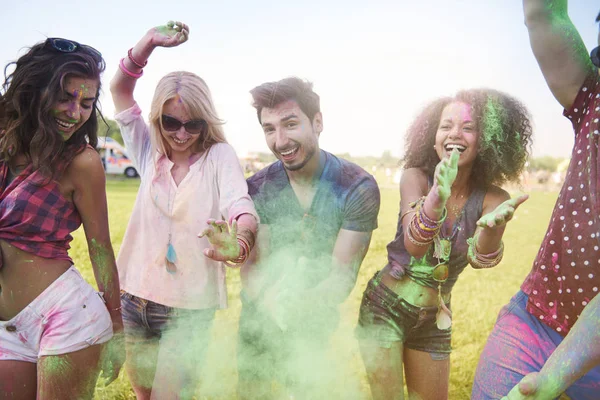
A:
x,y
192,191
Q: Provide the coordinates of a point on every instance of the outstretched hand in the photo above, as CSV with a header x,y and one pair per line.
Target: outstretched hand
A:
x,y
224,244
170,35
502,214
445,174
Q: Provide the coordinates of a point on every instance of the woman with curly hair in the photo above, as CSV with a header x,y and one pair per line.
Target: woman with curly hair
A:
x,y
52,323
459,150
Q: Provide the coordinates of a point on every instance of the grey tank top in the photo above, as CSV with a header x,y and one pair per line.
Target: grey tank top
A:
x,y
400,262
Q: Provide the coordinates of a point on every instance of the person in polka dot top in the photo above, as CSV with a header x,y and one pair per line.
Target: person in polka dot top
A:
x,y
558,298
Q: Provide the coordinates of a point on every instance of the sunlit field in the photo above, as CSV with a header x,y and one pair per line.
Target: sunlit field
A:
x,y
476,299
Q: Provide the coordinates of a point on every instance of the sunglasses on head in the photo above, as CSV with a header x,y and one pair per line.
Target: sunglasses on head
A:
x,y
71,46
595,57
193,127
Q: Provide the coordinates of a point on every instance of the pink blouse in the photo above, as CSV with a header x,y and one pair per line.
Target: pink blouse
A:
x,y
213,188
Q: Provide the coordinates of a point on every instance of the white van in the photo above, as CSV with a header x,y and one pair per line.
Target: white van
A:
x,y
114,158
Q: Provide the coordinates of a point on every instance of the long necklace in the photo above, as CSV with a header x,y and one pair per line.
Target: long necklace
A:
x,y
171,257
441,272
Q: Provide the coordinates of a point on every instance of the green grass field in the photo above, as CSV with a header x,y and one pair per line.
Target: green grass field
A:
x,y
476,300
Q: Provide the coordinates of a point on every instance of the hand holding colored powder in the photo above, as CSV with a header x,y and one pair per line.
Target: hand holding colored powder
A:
x,y
170,35
502,214
224,244
444,176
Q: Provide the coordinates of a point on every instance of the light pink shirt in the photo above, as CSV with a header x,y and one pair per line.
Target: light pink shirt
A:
x,y
213,188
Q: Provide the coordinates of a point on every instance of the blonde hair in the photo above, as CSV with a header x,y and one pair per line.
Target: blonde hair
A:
x,y
197,102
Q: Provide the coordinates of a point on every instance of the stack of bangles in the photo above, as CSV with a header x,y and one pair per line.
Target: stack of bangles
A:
x,y
422,229
245,252
479,260
131,74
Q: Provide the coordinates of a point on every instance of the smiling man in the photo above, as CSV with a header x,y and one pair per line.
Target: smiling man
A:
x,y
317,213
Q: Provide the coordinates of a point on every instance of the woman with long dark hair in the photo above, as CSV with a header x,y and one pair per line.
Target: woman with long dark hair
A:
x,y
52,323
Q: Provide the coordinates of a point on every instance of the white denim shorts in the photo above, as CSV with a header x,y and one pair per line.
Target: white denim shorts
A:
x,y
69,315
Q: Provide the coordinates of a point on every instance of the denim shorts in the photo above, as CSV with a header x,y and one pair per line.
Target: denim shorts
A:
x,y
179,336
69,315
518,345
144,319
386,317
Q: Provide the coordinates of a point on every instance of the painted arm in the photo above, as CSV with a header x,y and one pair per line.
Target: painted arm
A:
x,y
235,204
558,48
348,254
498,209
578,353
122,85
414,185
349,251
90,199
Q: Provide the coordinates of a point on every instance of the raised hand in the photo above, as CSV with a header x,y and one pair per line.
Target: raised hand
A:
x,y
224,244
502,214
170,35
445,174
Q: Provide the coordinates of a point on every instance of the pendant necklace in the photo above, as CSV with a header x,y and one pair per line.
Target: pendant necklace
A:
x,y
171,257
440,273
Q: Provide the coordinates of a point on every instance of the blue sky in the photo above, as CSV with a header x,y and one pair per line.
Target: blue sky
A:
x,y
373,63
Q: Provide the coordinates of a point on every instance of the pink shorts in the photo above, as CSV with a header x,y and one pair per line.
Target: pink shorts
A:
x,y
69,315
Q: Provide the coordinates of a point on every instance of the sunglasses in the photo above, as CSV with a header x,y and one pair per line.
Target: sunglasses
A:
x,y
595,57
193,127
71,46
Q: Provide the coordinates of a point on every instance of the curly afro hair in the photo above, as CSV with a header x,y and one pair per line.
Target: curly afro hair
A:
x,y
505,129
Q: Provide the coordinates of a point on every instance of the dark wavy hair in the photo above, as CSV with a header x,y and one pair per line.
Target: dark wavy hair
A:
x,y
271,94
504,126
28,96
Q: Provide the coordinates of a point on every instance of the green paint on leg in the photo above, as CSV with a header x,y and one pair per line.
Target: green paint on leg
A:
x,y
56,365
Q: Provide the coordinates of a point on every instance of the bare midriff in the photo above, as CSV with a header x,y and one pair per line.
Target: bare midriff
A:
x,y
412,292
23,277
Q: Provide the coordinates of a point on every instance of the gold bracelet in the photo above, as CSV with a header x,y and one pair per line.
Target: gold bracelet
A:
x,y
416,242
479,260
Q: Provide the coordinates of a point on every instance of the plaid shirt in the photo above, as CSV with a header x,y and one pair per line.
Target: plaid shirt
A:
x,y
36,217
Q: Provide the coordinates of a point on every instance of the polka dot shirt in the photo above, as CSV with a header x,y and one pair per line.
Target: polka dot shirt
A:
x,y
566,271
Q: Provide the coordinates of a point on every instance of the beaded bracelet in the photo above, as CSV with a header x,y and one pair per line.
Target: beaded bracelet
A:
x,y
128,72
419,240
479,260
414,241
431,222
418,230
134,61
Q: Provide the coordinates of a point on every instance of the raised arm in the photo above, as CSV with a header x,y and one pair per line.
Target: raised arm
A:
x,y
131,67
413,186
558,48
